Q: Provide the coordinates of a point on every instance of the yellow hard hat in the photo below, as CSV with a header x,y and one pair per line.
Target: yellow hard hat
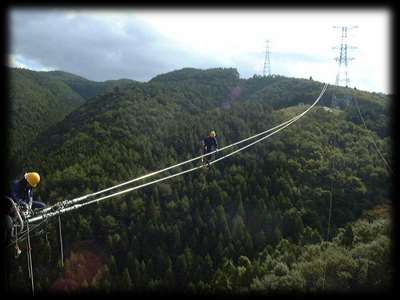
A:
x,y
33,178
212,133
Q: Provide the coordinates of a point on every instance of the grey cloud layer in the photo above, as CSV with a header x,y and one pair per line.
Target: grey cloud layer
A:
x,y
95,48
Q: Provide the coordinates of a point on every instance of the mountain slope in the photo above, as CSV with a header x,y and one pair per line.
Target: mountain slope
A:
x,y
87,88
36,102
39,100
181,234
150,126
357,260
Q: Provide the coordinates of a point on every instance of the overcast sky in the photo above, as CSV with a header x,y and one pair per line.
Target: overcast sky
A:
x,y
140,44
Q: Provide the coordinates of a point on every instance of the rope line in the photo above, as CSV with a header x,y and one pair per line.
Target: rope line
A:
x,y
24,234
61,241
30,261
331,195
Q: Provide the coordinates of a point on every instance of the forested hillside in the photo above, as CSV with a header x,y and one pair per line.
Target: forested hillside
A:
x,y
39,100
259,221
87,88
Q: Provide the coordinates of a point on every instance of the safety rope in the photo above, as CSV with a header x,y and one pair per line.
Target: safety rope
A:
x,y
48,245
330,212
75,205
17,213
61,241
30,260
23,235
331,195
17,250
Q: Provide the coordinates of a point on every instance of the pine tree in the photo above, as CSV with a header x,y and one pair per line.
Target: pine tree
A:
x,y
126,281
113,266
181,271
348,236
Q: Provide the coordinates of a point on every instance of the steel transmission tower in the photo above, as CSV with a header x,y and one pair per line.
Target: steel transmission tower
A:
x,y
343,58
267,63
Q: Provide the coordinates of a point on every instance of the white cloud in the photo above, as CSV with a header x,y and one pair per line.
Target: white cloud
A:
x,y
18,61
230,35
157,41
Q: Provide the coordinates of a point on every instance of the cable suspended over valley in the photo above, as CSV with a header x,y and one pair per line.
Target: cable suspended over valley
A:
x,y
73,204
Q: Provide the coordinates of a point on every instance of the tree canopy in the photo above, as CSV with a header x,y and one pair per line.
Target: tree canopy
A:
x,y
256,222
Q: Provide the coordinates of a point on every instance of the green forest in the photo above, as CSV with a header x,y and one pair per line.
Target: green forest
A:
x,y
305,211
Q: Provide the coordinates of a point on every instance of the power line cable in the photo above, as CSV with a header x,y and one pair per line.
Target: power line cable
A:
x,y
79,199
74,205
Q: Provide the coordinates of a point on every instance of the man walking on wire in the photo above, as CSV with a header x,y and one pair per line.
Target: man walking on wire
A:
x,y
209,144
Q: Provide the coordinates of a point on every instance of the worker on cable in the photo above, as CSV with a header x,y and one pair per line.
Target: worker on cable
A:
x,y
22,192
209,144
